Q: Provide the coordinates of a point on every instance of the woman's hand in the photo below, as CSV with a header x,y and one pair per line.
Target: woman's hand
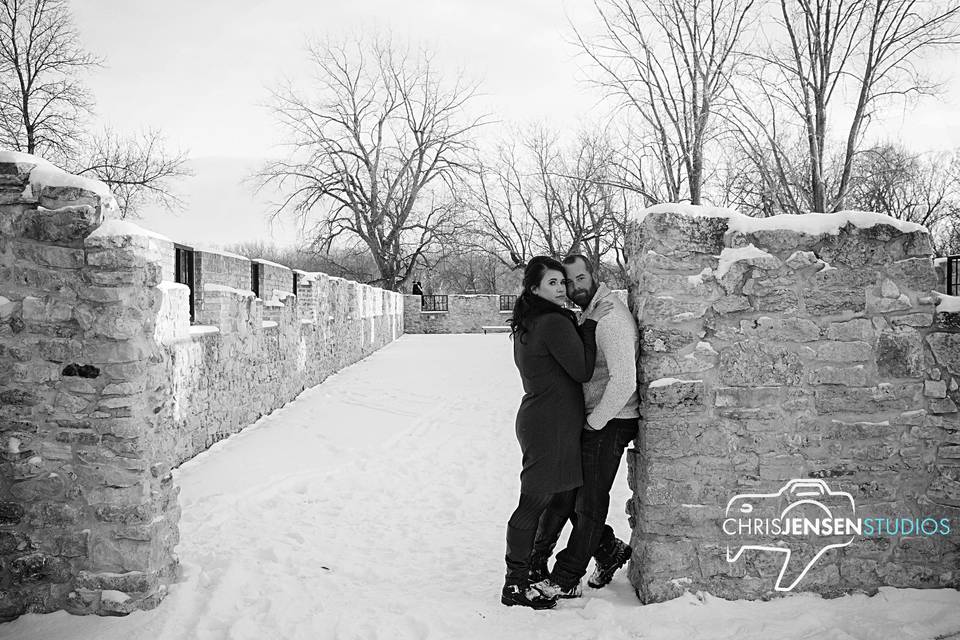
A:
x,y
600,311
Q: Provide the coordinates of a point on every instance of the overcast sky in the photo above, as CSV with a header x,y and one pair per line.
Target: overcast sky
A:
x,y
198,69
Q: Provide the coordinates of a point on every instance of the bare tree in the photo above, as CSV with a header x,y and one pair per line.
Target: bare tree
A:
x,y
42,101
920,188
137,169
44,106
378,145
826,50
669,62
541,197
501,226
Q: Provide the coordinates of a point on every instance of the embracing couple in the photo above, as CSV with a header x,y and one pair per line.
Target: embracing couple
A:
x,y
579,411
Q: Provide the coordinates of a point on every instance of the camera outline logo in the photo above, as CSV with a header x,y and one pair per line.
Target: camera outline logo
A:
x,y
795,493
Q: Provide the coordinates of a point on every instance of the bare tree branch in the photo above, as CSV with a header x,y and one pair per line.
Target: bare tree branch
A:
x,y
376,146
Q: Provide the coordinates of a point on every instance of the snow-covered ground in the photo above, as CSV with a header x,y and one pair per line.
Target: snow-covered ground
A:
x,y
374,506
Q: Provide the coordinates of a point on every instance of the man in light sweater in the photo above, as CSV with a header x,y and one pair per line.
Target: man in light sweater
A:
x,y
612,422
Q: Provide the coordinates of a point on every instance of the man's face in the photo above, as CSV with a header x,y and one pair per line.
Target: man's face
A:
x,y
580,284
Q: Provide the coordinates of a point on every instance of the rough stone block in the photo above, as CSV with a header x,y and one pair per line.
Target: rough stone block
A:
x,y
834,301
659,308
877,304
946,349
948,321
63,225
781,329
39,567
732,304
900,354
45,255
916,274
781,240
859,329
942,405
779,300
835,351
36,310
748,364
884,397
935,388
661,340
913,320
855,247
855,376
679,396
679,235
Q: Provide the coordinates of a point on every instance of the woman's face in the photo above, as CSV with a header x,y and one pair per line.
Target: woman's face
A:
x,y
551,287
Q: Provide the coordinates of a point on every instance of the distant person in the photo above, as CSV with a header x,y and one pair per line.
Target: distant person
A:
x,y
555,357
417,288
612,422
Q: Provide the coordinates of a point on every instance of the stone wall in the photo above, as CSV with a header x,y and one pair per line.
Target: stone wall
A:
x,y
466,313
105,385
768,355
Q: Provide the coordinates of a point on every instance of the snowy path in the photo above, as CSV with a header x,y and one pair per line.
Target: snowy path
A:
x,y
374,505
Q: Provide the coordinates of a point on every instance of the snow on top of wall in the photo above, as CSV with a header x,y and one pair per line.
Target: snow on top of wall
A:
x,y
309,276
45,174
809,223
271,264
220,252
168,285
112,595
116,227
939,261
948,304
730,255
246,293
666,382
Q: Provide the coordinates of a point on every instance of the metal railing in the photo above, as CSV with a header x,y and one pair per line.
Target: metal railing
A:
x,y
433,303
507,302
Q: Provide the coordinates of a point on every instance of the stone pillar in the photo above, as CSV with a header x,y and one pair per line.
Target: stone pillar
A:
x,y
88,510
769,355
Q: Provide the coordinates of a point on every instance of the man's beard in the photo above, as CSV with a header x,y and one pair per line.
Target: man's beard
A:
x,y
582,297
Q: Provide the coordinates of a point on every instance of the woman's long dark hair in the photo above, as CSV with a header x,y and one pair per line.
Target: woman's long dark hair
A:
x,y
526,302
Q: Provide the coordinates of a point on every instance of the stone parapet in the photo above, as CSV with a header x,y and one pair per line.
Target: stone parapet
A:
x,y
800,348
105,385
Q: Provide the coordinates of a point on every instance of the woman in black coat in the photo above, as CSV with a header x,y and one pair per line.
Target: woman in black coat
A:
x,y
555,357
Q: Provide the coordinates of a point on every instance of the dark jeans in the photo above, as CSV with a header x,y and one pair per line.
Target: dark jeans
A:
x,y
591,537
522,529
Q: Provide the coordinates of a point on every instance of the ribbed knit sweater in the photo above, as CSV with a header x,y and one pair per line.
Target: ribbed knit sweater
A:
x,y
612,390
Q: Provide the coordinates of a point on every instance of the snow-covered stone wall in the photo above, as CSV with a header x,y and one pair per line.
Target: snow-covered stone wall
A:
x,y
105,385
790,348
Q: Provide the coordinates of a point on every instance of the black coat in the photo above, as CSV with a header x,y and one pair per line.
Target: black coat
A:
x,y
555,358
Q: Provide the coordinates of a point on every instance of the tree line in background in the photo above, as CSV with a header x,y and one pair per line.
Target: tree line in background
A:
x,y
765,106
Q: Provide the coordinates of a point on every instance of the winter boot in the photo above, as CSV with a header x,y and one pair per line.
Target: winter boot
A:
x,y
526,596
551,589
603,571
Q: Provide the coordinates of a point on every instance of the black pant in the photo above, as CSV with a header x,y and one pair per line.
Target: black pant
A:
x,y
591,537
522,529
